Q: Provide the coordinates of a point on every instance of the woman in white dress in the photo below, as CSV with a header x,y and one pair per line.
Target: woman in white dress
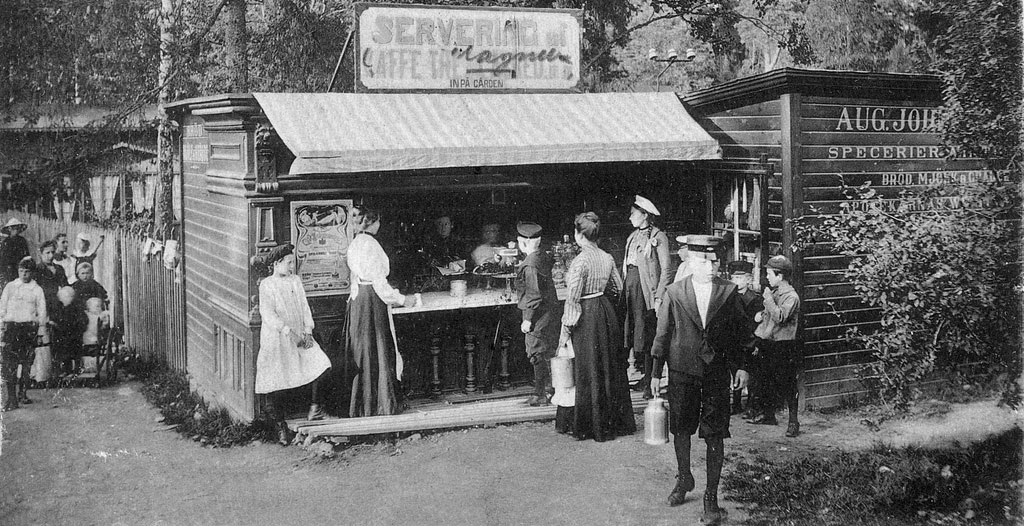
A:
x,y
288,357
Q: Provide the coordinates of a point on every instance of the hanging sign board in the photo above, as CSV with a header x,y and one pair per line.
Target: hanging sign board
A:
x,y
321,234
471,49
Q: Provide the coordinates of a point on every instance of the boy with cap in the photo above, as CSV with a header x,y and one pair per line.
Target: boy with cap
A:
x,y
777,342
704,336
741,274
23,317
541,311
12,249
645,274
683,269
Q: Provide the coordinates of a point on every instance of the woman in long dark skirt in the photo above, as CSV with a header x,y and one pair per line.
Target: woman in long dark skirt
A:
x,y
603,409
373,363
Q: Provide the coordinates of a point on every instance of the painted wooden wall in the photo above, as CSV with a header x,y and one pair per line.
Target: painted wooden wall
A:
x,y
216,160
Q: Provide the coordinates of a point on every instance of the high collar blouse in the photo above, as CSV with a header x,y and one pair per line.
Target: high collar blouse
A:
x,y
370,265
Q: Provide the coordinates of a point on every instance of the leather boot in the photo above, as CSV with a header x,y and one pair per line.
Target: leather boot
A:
x,y
712,513
684,484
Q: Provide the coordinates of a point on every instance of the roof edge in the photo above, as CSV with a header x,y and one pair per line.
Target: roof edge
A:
x,y
855,84
222,103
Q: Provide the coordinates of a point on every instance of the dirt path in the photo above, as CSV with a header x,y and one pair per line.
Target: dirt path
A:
x,y
101,457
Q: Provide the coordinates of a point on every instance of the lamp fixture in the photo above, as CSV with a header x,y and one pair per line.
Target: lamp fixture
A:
x,y
671,58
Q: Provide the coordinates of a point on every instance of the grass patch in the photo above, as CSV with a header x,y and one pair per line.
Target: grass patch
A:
x,y
977,484
190,415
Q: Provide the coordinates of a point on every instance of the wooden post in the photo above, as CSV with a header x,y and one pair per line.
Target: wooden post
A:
x,y
469,347
503,382
435,364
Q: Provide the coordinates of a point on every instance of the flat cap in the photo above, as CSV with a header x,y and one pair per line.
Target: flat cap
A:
x,y
528,230
780,263
740,267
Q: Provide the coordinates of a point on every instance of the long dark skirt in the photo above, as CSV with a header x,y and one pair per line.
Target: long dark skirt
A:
x,y
371,356
603,407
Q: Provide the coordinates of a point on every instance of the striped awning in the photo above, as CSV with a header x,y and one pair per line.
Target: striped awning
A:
x,y
357,132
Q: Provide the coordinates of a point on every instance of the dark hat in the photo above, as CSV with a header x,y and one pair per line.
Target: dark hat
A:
x,y
740,267
528,230
277,253
27,263
780,263
703,245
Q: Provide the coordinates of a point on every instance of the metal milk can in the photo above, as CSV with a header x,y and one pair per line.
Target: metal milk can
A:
x,y
656,422
561,372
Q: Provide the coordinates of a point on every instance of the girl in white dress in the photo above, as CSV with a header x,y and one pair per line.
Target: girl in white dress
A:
x,y
288,356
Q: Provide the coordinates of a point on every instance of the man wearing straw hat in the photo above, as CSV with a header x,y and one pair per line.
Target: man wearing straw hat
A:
x,y
645,274
12,249
702,335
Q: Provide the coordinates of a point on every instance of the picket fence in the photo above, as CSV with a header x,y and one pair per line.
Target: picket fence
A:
x,y
147,300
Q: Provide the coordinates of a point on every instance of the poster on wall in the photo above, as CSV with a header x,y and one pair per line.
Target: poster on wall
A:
x,y
321,234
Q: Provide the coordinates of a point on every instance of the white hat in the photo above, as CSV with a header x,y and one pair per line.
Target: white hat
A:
x,y
83,236
646,205
12,222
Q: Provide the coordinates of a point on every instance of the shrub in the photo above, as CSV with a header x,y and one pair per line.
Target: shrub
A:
x,y
943,269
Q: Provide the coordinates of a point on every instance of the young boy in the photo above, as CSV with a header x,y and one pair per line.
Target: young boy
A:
x,y
777,342
23,314
740,273
541,311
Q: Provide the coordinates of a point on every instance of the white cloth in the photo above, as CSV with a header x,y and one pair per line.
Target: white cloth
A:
x,y
703,293
68,264
23,302
91,336
281,362
369,264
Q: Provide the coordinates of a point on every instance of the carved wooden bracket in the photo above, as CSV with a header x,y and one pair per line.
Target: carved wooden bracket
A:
x,y
266,162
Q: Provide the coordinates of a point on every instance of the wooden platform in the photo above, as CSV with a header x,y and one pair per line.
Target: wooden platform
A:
x,y
506,408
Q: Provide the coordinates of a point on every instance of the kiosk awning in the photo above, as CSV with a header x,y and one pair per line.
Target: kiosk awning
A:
x,y
355,132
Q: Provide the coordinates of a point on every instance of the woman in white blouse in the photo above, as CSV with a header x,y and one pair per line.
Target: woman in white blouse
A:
x,y
373,358
288,356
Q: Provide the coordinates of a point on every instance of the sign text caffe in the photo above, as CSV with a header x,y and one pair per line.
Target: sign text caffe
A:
x,y
426,48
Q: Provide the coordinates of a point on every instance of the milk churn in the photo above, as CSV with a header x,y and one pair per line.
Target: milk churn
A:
x,y
561,372
656,422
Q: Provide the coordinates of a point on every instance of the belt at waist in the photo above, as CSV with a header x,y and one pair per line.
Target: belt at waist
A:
x,y
20,323
592,296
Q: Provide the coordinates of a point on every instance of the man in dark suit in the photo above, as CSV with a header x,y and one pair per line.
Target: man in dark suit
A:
x,y
704,336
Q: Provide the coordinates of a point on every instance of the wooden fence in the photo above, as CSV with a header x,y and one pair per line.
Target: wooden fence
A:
x,y
147,301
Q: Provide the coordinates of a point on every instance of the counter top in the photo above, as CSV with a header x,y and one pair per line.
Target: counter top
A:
x,y
475,298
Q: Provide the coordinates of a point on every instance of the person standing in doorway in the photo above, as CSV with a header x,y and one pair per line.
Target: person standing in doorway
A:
x,y
778,343
646,273
703,336
541,310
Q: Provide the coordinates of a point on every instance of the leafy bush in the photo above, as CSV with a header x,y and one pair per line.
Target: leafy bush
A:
x,y
191,416
886,486
943,269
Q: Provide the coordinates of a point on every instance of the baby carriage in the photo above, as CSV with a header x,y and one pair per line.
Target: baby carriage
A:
x,y
99,367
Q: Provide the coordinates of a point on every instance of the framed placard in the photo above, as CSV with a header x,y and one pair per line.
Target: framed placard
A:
x,y
321,233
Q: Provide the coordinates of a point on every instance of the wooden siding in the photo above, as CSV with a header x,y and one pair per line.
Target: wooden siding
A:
x,y
216,236
893,146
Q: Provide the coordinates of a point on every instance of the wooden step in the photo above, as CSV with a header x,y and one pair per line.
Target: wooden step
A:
x,y
439,416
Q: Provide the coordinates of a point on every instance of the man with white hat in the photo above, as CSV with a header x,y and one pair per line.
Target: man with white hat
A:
x,y
704,337
645,274
12,249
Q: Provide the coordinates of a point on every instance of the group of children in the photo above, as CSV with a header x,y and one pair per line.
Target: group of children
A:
x,y
49,322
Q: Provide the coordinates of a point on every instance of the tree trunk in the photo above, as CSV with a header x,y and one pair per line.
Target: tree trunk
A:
x,y
165,149
236,45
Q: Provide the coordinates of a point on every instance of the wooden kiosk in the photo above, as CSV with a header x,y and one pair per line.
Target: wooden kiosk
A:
x,y
813,130
264,169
